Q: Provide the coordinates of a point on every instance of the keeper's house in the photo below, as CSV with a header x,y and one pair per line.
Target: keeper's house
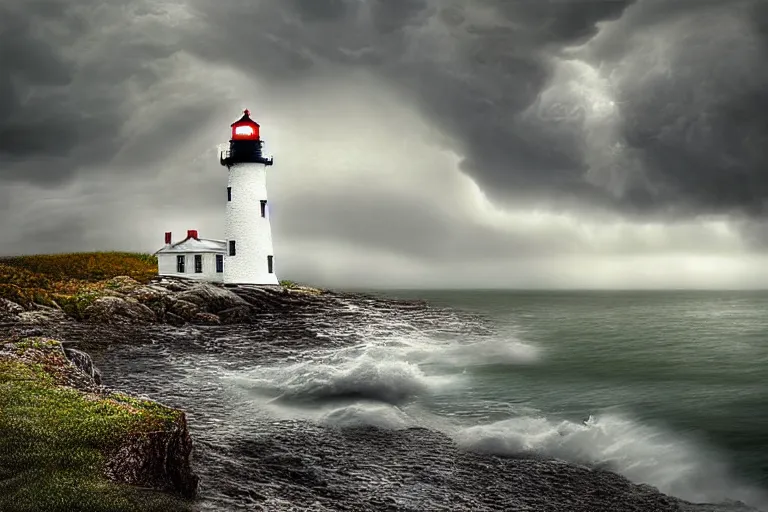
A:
x,y
193,258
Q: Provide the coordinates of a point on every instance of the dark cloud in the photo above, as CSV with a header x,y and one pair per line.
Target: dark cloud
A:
x,y
67,71
691,139
647,108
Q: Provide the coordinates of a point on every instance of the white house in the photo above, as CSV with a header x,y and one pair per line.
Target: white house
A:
x,y
193,258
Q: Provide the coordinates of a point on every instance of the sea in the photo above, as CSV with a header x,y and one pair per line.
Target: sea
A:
x,y
665,388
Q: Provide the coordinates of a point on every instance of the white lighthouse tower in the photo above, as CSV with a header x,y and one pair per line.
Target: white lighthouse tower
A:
x,y
249,257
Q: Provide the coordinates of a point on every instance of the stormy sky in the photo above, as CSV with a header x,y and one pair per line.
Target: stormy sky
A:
x,y
417,143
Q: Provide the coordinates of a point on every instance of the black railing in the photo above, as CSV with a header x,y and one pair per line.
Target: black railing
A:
x,y
242,151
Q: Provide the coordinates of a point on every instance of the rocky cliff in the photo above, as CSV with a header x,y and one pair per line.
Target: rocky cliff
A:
x,y
68,443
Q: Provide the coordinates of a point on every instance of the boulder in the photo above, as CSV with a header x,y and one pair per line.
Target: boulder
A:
x,y
206,319
9,311
83,361
117,310
181,308
211,298
43,315
236,315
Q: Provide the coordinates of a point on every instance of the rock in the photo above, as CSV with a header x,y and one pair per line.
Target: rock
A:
x,y
146,294
206,319
159,460
43,315
236,315
211,298
84,362
116,310
175,320
181,308
9,311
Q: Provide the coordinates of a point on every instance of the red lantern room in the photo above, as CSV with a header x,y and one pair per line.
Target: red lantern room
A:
x,y
245,144
245,128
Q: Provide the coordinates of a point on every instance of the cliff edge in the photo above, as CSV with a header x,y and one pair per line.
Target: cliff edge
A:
x,y
67,443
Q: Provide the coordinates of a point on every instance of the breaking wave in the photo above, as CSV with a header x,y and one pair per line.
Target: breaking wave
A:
x,y
387,382
642,453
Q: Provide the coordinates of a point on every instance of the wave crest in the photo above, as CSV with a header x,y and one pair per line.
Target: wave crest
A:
x,y
641,453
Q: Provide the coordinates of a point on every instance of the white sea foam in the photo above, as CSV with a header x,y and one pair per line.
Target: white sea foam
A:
x,y
639,452
366,414
363,377
386,381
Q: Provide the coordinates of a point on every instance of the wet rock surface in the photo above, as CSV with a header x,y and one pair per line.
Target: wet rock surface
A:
x,y
415,470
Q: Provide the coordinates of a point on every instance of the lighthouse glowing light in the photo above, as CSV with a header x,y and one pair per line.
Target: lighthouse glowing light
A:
x,y
249,257
244,131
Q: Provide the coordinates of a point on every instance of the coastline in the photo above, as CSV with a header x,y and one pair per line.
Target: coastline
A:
x,y
123,310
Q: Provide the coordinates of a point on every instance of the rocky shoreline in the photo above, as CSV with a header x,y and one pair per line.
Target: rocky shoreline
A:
x,y
403,461
159,458
164,300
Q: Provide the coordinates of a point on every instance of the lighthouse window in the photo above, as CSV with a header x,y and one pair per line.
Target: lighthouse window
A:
x,y
180,264
198,264
229,193
219,263
270,264
263,207
231,247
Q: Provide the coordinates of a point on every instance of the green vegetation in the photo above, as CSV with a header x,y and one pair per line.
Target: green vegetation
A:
x,y
71,280
53,439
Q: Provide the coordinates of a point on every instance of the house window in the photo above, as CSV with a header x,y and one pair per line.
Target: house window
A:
x,y
263,207
198,264
229,193
180,260
219,263
270,264
231,247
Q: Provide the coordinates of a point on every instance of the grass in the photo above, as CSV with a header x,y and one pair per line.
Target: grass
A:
x,y
53,439
71,280
86,266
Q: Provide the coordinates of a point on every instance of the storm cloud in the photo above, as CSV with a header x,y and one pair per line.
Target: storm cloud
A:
x,y
426,134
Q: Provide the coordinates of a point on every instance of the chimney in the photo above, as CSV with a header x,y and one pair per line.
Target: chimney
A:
x,y
167,238
192,233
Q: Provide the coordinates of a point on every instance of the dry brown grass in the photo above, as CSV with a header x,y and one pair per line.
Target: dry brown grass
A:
x,y
43,278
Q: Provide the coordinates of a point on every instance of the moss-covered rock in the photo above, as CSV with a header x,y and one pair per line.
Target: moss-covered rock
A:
x,y
68,444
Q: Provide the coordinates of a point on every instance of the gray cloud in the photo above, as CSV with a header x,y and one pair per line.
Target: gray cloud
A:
x,y
478,70
651,111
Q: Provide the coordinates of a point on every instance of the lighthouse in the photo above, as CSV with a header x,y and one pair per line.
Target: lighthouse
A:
x,y
249,257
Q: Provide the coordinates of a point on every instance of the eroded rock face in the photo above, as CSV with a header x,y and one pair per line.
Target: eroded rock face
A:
x,y
159,460
152,451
